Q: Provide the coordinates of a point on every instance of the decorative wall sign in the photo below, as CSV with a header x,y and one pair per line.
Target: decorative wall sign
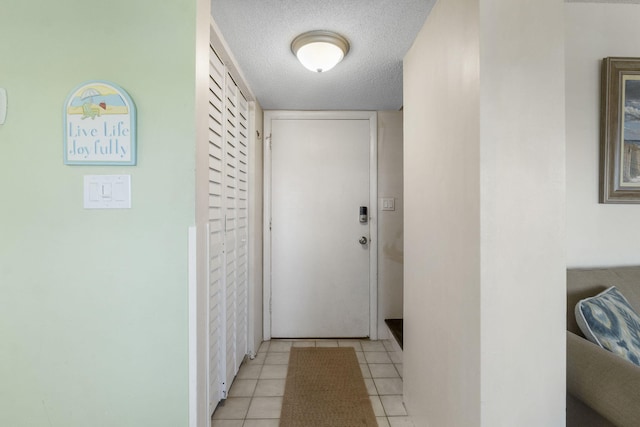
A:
x,y
99,125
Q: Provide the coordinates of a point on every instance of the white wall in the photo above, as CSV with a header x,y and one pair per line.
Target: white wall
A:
x,y
198,285
597,234
484,216
94,303
256,173
441,221
523,208
390,223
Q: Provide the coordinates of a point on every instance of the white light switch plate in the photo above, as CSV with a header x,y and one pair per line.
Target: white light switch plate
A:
x,y
3,105
107,191
388,204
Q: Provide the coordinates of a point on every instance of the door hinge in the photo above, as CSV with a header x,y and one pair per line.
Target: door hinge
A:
x,y
270,223
269,139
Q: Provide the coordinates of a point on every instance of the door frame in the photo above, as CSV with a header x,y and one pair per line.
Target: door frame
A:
x,y
372,116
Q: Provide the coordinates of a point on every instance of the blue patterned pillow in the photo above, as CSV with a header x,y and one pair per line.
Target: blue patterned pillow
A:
x,y
608,320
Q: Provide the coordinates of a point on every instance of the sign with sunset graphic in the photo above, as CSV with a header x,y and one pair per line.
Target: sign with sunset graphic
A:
x,y
99,125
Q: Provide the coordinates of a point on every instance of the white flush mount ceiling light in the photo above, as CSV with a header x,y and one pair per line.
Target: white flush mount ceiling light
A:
x,y
320,51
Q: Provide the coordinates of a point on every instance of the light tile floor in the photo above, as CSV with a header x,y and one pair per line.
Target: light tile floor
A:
x,y
255,398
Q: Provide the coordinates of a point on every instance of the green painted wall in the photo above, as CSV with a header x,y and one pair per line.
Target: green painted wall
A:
x,y
93,304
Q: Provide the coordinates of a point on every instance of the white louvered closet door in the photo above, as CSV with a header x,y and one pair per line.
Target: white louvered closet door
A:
x,y
217,368
230,240
242,227
228,230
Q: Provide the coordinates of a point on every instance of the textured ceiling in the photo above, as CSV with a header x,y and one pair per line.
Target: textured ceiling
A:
x,y
259,34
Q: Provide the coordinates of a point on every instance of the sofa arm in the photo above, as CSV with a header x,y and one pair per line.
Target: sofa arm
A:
x,y
604,381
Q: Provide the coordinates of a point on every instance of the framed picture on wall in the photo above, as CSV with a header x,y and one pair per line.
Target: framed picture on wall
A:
x,y
620,131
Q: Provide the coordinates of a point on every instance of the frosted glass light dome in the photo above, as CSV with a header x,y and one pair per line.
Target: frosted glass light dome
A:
x,y
320,51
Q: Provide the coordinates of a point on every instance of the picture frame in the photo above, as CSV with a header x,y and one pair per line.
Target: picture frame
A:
x,y
620,131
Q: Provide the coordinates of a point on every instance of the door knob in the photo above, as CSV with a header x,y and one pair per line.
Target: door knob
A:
x,y
363,240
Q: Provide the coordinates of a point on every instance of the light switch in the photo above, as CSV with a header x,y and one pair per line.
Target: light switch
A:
x,y
388,204
119,192
94,194
107,191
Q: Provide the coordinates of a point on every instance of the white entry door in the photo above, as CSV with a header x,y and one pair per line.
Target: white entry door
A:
x,y
321,252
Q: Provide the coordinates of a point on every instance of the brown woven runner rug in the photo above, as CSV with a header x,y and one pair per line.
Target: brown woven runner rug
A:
x,y
325,388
